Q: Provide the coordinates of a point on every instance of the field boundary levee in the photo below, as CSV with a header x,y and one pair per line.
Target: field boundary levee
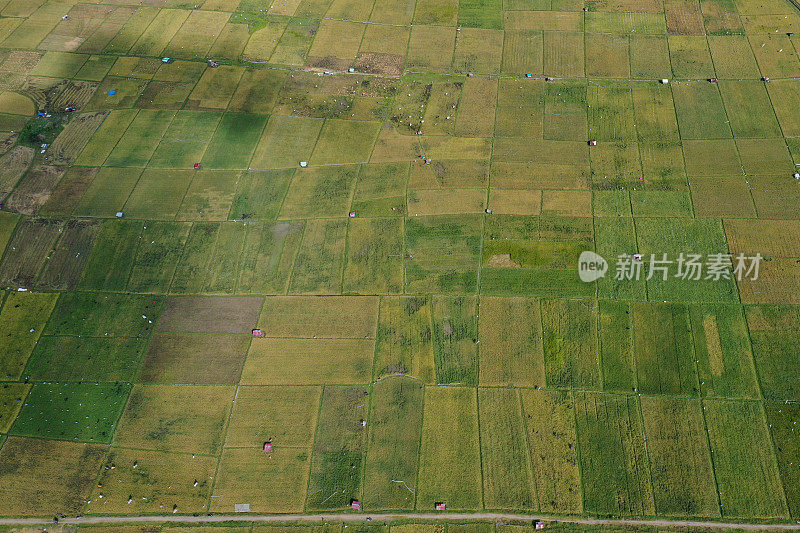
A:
x,y
389,517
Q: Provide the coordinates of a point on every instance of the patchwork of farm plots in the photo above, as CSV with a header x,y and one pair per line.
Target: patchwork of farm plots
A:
x,y
393,196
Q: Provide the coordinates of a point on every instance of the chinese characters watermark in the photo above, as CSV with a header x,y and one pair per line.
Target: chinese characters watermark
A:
x,y
686,266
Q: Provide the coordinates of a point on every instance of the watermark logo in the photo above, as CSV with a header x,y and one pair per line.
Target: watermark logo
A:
x,y
591,266
686,266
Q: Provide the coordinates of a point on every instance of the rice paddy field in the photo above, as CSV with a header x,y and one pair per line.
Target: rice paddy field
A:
x,y
317,256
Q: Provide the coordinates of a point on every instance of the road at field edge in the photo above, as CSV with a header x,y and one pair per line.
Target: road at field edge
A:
x,y
384,517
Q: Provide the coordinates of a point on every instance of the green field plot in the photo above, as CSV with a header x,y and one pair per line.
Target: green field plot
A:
x,y
701,113
336,463
610,112
481,14
563,54
712,158
170,418
234,141
116,93
395,429
191,273
28,249
293,46
550,423
159,33
374,256
654,113
140,140
284,416
664,349
46,475
522,52
285,142
673,236
209,264
733,58
661,203
616,346
431,47
109,263
444,253
345,141
200,359
438,12
259,194
607,55
241,479
135,67
267,257
690,57
380,190
336,317
106,137
680,462
186,139
478,50
455,340
59,65
507,478
565,118
449,470
774,331
164,95
318,264
158,194
314,361
749,109
104,315
150,482
570,344
614,237
765,157
782,419
210,195
773,56
745,468
785,97
157,256
625,22
68,358
215,88
66,262
23,316
12,396
446,202
71,411
511,348
722,348
613,455
404,339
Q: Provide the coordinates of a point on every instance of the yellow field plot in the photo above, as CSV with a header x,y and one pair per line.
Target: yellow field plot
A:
x,y
35,28
711,158
445,201
552,438
350,9
607,56
160,32
564,54
336,43
385,39
775,55
270,483
624,6
331,317
231,41
778,282
152,482
543,20
765,157
522,52
684,17
478,50
722,197
286,141
650,57
785,97
16,104
284,416
453,174
20,8
546,158
135,67
511,342
772,238
175,418
7,27
129,32
392,147
215,89
755,24
393,11
12,396
628,22
437,12
40,477
515,201
567,203
197,35
308,362
263,41
733,58
404,339
431,47
221,5
476,108
449,470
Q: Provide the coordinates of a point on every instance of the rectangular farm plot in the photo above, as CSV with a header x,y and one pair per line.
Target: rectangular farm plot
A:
x,y
701,113
216,88
28,249
552,438
782,419
478,50
338,317
454,340
722,348
511,347
176,418
746,470
267,257
66,262
381,190
616,346
733,58
209,259
106,137
158,194
404,339
150,482
286,141
108,192
449,469
337,457
374,256
210,195
749,109
284,416
88,314
336,43
395,429
158,255
234,141
109,263
507,478
318,264
431,47
345,141
198,359
785,98
313,361
23,316
85,412
690,57
199,314
68,358
242,475
522,52
680,462
140,140
444,253
12,396
664,349
564,54
775,352
445,201
570,344
186,139
613,455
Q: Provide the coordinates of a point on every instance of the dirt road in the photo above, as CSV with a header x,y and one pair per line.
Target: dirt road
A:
x,y
385,517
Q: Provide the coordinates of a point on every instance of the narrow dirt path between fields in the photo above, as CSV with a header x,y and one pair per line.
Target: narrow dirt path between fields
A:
x,y
385,517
